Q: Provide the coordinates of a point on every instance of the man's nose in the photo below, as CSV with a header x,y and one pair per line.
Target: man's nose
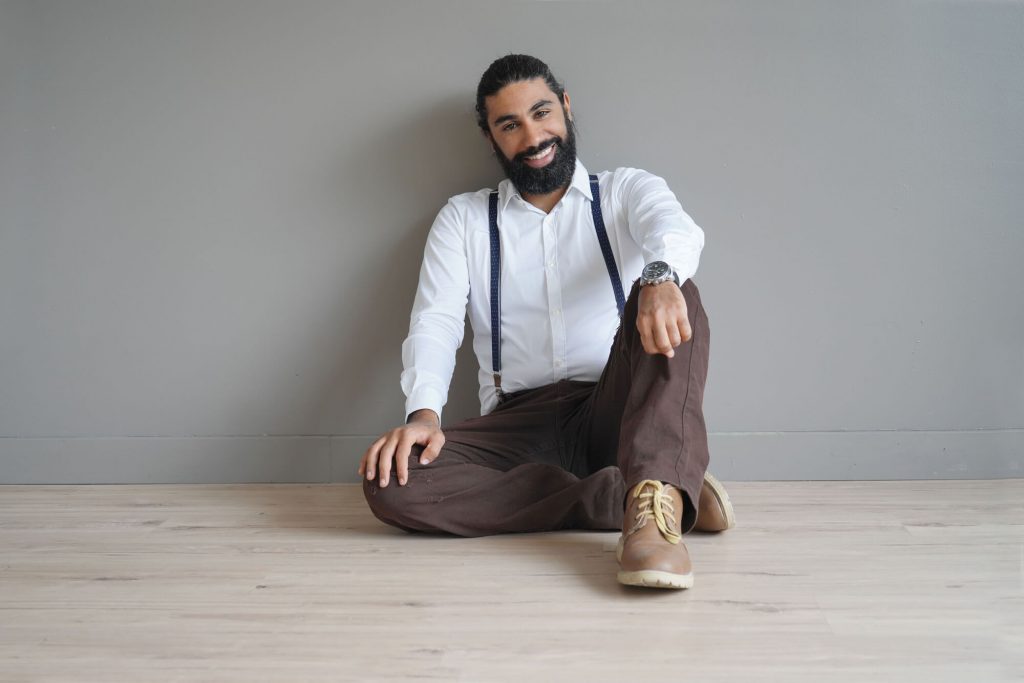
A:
x,y
534,134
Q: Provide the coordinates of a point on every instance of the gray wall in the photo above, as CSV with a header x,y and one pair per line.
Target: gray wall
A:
x,y
212,215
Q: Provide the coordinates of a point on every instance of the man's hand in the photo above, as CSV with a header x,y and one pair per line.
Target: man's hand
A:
x,y
424,428
662,318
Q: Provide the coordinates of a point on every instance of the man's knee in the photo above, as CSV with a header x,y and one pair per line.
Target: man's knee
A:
x,y
387,503
698,316
393,504
691,294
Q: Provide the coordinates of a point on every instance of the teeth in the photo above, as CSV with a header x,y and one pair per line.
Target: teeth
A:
x,y
541,155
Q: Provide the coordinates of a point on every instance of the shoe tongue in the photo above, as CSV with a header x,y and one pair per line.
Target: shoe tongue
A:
x,y
652,484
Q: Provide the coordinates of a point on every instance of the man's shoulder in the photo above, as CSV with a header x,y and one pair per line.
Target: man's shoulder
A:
x,y
467,208
470,200
463,212
625,180
623,173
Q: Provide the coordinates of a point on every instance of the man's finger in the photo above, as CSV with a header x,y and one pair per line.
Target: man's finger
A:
x,y
674,336
370,457
661,340
683,318
386,455
685,331
433,448
402,458
402,467
365,462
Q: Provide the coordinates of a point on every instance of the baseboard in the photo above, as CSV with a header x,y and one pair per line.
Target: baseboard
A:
x,y
747,456
868,455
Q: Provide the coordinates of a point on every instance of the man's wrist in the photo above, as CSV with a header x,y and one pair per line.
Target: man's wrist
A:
x,y
657,273
424,416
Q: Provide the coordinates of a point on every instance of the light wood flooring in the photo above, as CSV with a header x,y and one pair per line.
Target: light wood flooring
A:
x,y
819,581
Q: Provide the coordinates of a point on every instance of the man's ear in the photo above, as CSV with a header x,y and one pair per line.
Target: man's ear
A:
x,y
565,103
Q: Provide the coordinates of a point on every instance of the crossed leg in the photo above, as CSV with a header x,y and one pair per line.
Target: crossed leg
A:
x,y
505,472
553,457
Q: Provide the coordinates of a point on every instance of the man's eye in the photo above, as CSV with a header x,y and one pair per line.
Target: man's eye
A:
x,y
508,126
542,113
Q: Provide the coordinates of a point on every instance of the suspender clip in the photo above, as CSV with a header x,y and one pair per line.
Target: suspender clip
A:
x,y
497,387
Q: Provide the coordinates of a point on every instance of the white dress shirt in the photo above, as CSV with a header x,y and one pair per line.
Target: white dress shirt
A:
x,y
558,311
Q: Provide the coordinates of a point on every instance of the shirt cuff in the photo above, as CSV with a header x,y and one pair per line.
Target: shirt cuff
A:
x,y
684,268
425,397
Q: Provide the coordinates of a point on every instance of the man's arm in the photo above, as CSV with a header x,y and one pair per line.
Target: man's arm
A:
x,y
657,222
428,353
438,319
664,232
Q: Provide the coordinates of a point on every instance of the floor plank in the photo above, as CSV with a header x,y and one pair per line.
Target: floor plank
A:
x,y
837,581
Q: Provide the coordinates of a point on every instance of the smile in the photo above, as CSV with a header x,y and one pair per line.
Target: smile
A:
x,y
541,158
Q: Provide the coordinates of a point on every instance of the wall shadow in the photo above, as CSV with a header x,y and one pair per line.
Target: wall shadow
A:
x,y
425,159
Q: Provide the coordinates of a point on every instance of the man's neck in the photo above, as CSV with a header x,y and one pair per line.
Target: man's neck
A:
x,y
546,202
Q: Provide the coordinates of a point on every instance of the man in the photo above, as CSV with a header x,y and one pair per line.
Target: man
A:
x,y
571,435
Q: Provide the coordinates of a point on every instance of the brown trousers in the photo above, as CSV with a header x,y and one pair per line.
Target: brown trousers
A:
x,y
564,456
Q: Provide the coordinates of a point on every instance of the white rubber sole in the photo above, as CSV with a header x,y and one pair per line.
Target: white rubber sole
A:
x,y
655,579
651,578
722,498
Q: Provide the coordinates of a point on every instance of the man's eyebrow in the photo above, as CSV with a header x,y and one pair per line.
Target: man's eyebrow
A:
x,y
511,117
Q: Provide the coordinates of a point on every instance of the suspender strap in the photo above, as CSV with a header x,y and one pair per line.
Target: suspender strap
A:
x,y
495,293
606,251
606,248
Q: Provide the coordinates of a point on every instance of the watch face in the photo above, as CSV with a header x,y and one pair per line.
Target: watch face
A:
x,y
654,270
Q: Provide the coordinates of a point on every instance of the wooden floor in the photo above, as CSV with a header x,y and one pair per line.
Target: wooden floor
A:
x,y
820,581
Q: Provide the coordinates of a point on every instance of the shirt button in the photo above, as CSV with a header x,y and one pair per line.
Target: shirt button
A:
x,y
558,311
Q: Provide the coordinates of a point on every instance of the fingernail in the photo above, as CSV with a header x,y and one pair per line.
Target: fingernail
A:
x,y
424,461
402,481
369,474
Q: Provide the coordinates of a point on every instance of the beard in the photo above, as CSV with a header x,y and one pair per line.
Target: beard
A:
x,y
556,175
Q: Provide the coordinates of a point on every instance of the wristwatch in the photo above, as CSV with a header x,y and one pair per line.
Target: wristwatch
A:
x,y
656,272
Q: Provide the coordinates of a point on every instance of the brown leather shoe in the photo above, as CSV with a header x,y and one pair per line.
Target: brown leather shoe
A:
x,y
714,511
651,551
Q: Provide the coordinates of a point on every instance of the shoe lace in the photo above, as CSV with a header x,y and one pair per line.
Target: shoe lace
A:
x,y
657,504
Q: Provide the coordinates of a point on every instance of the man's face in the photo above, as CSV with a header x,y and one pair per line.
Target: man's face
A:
x,y
532,136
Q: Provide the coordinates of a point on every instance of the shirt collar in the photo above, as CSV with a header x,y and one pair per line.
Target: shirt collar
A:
x,y
580,182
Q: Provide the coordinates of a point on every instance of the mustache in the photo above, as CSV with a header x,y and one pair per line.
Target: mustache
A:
x,y
543,147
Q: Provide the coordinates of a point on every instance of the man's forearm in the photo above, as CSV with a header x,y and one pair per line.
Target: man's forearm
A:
x,y
659,225
425,415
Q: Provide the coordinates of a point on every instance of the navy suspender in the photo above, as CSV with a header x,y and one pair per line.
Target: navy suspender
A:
x,y
495,294
606,251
